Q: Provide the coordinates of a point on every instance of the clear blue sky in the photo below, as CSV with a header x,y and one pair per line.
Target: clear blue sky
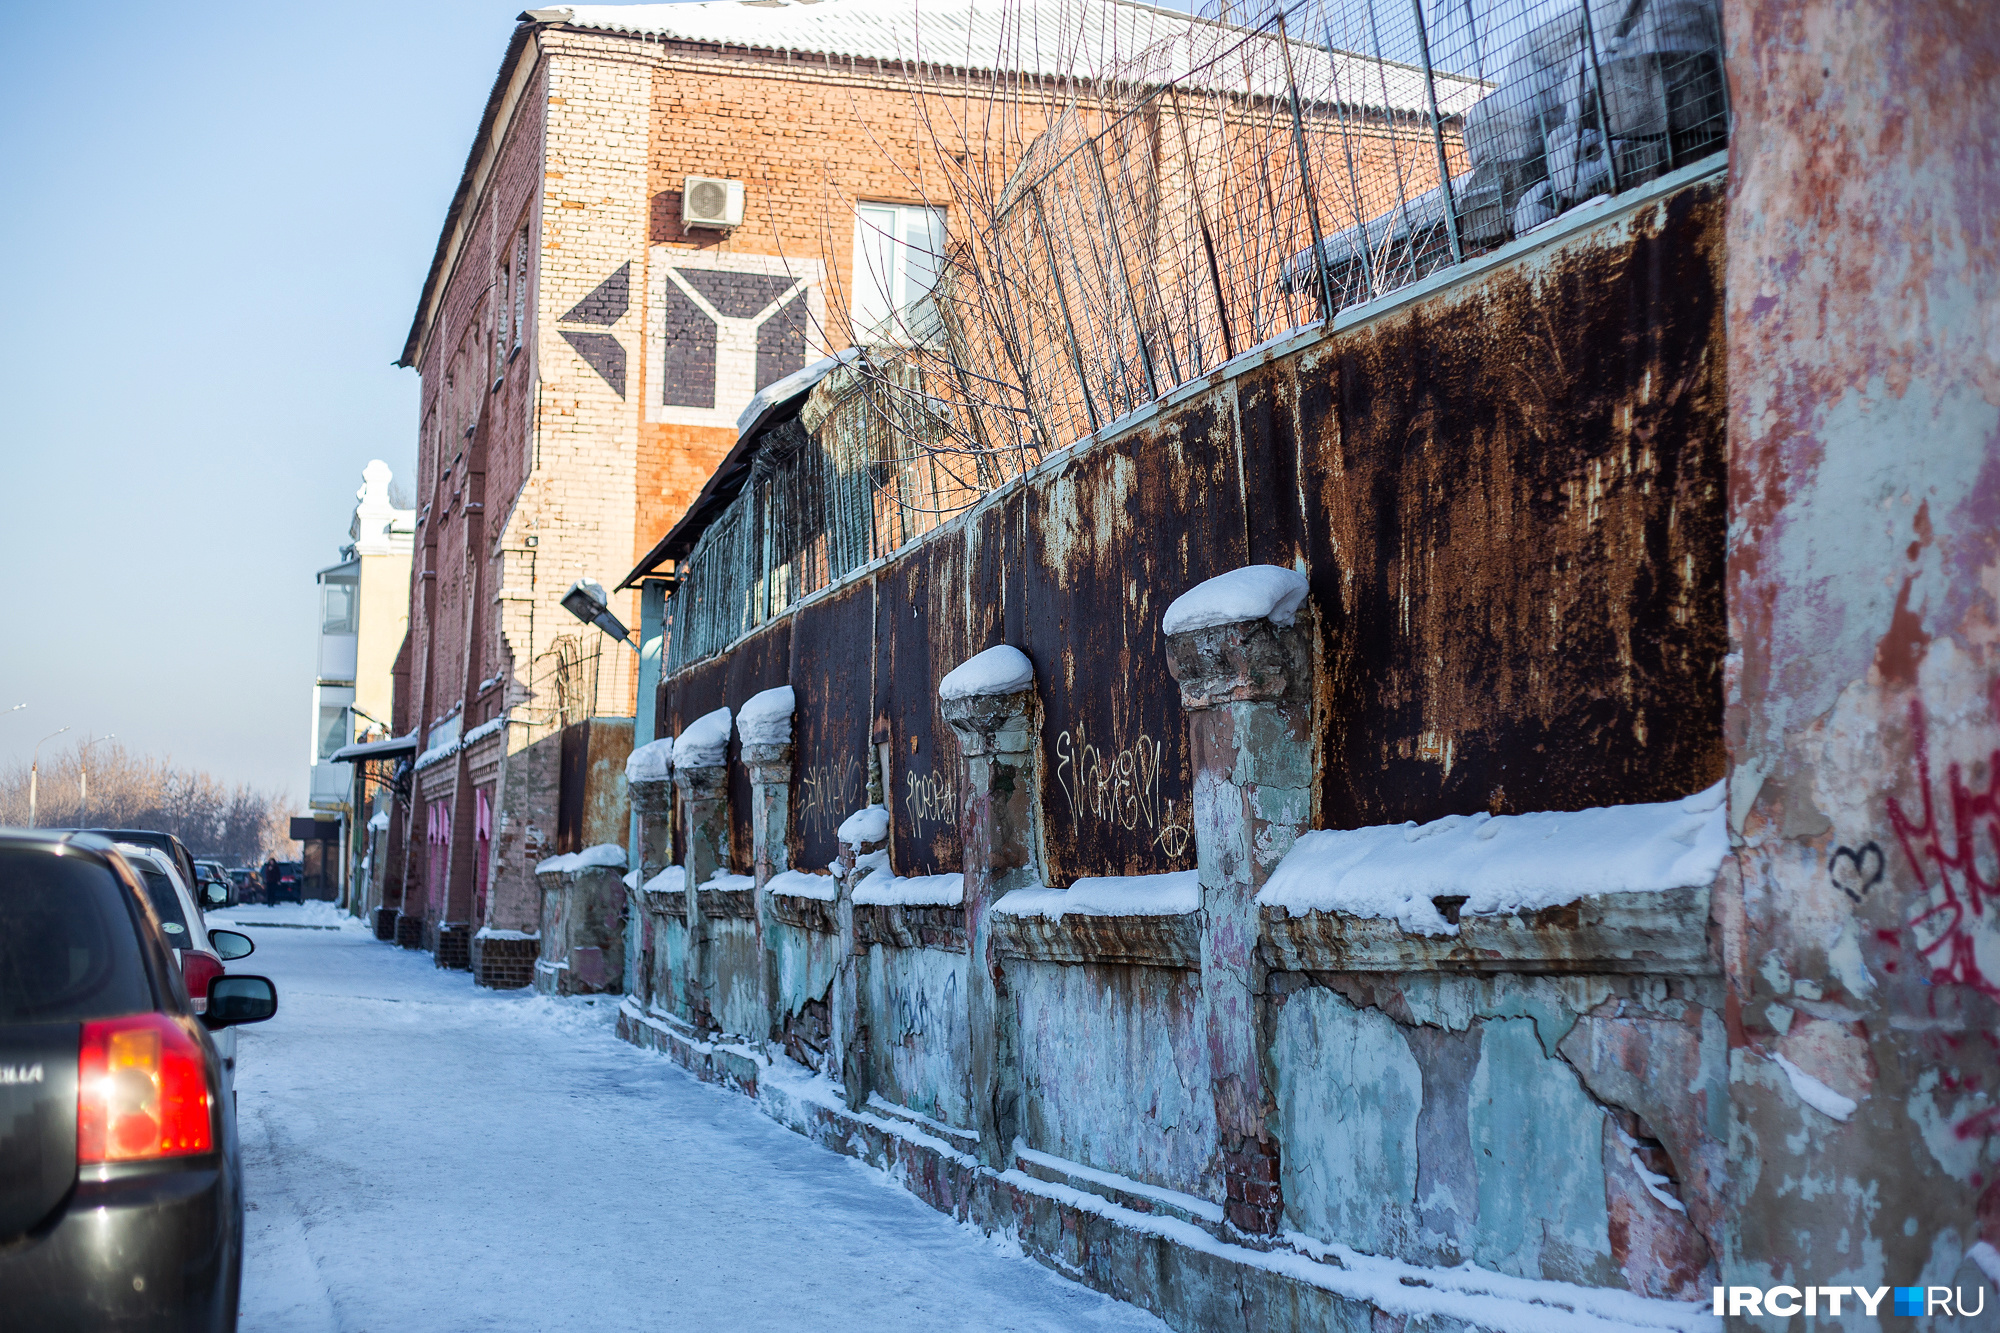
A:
x,y
217,218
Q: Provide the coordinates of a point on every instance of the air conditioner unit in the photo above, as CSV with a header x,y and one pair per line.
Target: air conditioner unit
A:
x,y
710,201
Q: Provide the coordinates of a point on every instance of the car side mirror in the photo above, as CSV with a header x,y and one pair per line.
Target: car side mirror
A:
x,y
228,944
233,1000
215,895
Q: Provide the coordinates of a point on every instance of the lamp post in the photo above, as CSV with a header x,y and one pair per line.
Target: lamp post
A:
x,y
34,774
83,776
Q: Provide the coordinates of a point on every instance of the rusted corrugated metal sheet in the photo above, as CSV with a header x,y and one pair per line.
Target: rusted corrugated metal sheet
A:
x,y
1514,513
1113,538
833,663
920,629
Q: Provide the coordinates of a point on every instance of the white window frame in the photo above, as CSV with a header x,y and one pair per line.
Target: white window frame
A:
x,y
872,289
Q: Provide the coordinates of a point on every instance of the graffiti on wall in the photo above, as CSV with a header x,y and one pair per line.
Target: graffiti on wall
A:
x,y
1953,844
827,793
929,799
1119,787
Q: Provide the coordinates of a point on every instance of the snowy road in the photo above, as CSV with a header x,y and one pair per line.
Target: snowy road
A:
x,y
422,1155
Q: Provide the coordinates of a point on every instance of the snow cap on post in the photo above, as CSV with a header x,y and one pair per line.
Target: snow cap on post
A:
x,y
1254,592
704,742
869,824
651,762
1002,669
766,719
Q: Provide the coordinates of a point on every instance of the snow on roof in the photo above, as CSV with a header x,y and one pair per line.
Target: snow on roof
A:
x,y
1504,864
1254,592
704,742
651,762
1001,669
791,386
766,718
1054,38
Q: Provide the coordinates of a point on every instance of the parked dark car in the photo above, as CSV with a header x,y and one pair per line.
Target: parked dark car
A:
x,y
121,1180
166,842
291,885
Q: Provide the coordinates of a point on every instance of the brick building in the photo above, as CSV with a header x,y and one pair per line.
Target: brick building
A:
x,y
584,354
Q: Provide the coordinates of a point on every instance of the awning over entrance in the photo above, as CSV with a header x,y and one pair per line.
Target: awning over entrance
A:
x,y
393,748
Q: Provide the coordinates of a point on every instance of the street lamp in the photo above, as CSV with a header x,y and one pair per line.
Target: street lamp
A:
x,y
34,771
586,601
83,776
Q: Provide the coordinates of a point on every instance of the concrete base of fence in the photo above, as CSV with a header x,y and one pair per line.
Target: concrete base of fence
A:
x,y
409,930
385,924
1194,1275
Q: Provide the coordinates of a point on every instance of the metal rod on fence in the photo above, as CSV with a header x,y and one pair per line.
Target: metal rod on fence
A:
x,y
1347,150
1603,109
1062,302
1124,269
1395,154
1326,303
1437,135
1207,237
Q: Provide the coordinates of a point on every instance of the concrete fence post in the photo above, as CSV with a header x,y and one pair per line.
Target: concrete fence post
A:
x,y
649,782
990,702
764,724
1245,674
702,775
863,836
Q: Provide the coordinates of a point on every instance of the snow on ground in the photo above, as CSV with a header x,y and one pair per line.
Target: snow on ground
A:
x,y
421,1155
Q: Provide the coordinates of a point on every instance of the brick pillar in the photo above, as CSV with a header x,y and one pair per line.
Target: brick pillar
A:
x,y
990,703
704,790
770,765
652,851
1247,687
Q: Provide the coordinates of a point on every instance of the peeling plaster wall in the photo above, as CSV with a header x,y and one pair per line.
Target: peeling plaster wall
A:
x,y
1441,1119
1862,934
806,963
1115,1070
738,960
914,1008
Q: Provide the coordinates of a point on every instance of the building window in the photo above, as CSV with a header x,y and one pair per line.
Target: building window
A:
x,y
898,250
334,729
520,283
336,605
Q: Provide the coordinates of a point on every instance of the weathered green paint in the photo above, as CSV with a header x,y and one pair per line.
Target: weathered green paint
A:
x,y
1537,1146
1348,1095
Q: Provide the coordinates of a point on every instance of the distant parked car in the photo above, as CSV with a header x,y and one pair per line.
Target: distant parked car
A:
x,y
291,886
198,951
121,1194
212,872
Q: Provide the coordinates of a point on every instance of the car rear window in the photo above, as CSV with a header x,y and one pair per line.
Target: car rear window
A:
x,y
166,903
69,950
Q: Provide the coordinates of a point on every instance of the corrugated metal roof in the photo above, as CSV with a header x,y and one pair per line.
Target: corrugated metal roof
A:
x,y
1084,39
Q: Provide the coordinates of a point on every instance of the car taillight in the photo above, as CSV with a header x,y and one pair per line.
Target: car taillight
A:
x,y
197,970
142,1091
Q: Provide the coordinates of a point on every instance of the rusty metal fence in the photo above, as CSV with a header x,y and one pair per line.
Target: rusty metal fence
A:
x,y
1184,191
